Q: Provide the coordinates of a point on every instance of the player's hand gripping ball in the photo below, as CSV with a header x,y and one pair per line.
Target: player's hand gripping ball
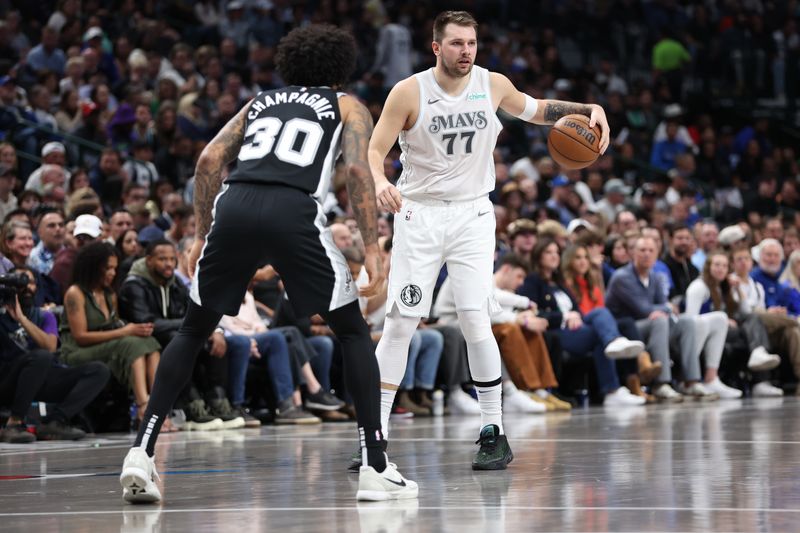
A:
x,y
572,143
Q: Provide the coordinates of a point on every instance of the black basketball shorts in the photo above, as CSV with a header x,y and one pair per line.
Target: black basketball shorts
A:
x,y
255,225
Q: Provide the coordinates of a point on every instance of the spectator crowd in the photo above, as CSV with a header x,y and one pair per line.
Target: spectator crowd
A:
x,y
668,270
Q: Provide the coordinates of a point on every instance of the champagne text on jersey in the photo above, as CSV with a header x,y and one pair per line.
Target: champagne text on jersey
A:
x,y
321,105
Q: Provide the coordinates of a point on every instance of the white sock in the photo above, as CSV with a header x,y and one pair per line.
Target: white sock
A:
x,y
392,354
484,365
542,393
490,400
387,399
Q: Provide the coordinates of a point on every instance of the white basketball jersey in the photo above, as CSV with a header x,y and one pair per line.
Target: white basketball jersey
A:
x,y
447,154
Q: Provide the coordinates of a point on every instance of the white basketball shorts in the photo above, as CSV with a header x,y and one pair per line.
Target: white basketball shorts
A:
x,y
428,234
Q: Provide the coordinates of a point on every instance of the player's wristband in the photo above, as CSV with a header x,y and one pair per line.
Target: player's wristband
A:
x,y
531,106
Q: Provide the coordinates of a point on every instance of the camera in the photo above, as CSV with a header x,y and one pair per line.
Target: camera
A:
x,y
10,286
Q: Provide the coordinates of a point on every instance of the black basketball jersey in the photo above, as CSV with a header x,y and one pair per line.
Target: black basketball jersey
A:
x,y
292,137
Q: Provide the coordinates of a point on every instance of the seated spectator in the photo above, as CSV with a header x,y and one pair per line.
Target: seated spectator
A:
x,y
635,291
128,247
521,337
783,329
17,242
678,261
53,153
770,265
707,240
247,336
616,255
585,286
88,228
424,352
8,202
183,224
121,221
140,167
51,241
92,330
28,338
595,335
716,290
151,294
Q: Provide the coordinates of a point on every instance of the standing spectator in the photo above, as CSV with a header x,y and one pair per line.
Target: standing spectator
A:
x,y
92,330
393,50
51,241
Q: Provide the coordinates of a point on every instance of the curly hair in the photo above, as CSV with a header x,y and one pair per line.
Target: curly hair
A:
x,y
90,264
316,55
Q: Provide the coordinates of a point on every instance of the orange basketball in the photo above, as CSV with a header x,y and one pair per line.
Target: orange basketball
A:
x,y
572,143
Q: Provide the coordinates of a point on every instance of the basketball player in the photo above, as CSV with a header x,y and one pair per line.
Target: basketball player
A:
x,y
286,142
447,127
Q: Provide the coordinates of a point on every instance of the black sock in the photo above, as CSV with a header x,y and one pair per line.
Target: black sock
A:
x,y
174,371
362,378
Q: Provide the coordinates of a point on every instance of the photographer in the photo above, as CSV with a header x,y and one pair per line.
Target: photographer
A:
x,y
28,370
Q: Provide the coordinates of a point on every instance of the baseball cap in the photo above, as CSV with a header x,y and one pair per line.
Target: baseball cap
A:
x,y
731,235
579,223
559,181
616,185
673,111
521,225
88,225
149,234
92,32
52,147
649,190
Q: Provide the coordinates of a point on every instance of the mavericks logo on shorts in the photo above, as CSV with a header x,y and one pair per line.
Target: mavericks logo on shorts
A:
x,y
411,295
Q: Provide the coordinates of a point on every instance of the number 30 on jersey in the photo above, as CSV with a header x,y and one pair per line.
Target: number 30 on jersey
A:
x,y
297,143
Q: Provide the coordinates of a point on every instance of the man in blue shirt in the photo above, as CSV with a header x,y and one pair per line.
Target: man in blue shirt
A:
x,y
635,291
46,55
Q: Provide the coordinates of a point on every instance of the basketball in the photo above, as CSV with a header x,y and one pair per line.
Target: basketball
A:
x,y
572,143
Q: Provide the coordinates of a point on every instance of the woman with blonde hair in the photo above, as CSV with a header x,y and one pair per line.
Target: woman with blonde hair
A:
x,y
791,272
716,292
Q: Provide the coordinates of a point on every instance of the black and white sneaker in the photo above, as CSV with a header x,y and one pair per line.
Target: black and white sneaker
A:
x,y
377,486
356,460
138,478
323,400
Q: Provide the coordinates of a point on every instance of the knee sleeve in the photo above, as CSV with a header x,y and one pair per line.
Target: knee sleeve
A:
x,y
392,350
475,325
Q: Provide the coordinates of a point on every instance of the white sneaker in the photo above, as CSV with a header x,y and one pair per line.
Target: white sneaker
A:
x,y
622,397
138,478
462,403
760,360
725,392
516,401
622,348
765,389
387,485
699,392
665,393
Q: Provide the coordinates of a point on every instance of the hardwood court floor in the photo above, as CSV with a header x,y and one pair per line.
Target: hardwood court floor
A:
x,y
727,466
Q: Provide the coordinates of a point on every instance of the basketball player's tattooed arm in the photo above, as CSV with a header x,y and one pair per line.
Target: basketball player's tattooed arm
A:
x,y
555,109
222,149
360,185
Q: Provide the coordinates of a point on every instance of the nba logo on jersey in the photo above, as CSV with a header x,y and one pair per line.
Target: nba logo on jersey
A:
x,y
408,215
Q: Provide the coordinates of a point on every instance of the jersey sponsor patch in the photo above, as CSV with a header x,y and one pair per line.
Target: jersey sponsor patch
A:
x,y
476,96
411,295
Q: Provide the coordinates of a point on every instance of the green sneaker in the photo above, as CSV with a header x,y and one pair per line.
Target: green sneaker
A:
x,y
494,453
